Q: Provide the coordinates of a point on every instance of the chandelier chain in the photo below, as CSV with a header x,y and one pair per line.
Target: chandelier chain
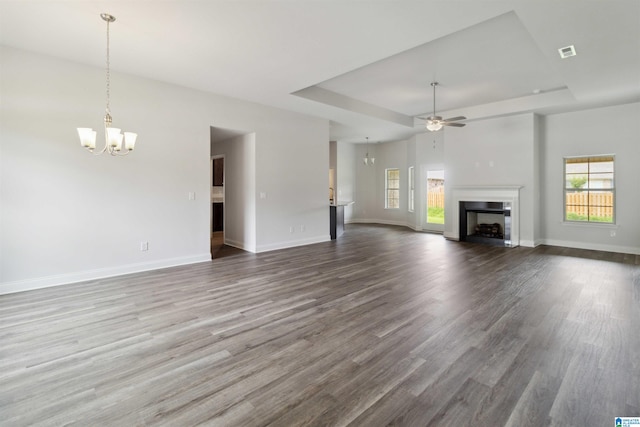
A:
x,y
108,73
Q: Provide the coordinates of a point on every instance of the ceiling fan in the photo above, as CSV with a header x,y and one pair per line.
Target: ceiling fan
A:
x,y
434,123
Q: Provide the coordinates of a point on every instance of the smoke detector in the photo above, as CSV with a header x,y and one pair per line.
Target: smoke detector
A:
x,y
567,52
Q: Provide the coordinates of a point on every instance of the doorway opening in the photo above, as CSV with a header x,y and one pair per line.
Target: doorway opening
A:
x,y
217,205
435,200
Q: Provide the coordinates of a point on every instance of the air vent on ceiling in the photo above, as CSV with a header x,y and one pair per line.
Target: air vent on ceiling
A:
x,y
566,52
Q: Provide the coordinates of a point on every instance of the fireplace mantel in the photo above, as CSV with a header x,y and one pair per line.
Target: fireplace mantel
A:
x,y
487,193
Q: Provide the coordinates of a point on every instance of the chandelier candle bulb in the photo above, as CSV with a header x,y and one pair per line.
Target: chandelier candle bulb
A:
x,y
87,137
114,136
118,147
130,140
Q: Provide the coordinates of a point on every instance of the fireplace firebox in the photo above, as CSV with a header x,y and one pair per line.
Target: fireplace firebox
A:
x,y
488,223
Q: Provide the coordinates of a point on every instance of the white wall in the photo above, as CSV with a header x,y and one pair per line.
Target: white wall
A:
x,y
69,216
498,151
412,218
346,177
538,200
292,164
240,190
429,156
611,130
370,183
493,152
522,150
423,151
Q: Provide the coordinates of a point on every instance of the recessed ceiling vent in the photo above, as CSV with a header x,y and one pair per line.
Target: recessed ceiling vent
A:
x,y
567,52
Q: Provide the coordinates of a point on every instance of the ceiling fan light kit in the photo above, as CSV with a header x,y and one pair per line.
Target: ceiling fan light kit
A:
x,y
435,123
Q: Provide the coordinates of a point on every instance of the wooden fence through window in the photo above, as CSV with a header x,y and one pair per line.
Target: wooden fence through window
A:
x,y
435,199
587,203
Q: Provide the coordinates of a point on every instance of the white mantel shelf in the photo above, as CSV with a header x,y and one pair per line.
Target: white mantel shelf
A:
x,y
487,193
489,187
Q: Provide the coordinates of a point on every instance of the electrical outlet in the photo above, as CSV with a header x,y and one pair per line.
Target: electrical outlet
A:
x,y
291,229
613,233
144,246
302,228
192,195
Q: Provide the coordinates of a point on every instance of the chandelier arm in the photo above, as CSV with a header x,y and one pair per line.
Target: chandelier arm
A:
x,y
119,153
100,152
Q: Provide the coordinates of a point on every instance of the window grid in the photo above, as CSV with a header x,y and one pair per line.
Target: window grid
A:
x,y
392,188
589,189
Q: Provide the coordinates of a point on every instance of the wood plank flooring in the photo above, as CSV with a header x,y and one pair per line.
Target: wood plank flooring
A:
x,y
384,326
219,249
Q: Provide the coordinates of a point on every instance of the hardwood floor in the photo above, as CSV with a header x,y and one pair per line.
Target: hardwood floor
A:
x,y
219,249
383,326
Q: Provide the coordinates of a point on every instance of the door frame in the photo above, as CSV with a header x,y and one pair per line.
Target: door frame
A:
x,y
428,226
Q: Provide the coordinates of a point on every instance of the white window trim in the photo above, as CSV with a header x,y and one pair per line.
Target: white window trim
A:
x,y
594,224
412,188
386,188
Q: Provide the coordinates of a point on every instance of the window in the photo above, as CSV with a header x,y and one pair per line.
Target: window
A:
x,y
411,189
589,189
392,189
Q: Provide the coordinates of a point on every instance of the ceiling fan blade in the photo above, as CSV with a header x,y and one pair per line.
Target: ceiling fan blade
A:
x,y
455,119
458,125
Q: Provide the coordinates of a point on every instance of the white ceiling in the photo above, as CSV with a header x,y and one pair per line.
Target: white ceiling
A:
x,y
365,65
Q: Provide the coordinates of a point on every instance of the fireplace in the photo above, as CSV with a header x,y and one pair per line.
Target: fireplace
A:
x,y
485,222
489,205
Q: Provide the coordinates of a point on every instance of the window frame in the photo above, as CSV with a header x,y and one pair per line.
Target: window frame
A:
x,y
589,159
388,189
412,188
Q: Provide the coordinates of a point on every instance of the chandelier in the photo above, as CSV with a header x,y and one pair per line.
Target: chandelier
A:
x,y
113,137
369,161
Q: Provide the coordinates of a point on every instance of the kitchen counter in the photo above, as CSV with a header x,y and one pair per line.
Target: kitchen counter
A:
x,y
341,203
336,218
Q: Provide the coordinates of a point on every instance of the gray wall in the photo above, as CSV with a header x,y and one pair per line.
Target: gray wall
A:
x,y
611,130
69,216
240,190
346,177
524,150
493,152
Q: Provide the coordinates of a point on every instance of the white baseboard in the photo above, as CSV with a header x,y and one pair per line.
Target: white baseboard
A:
x,y
100,273
527,243
293,243
378,221
531,243
450,235
591,246
240,245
